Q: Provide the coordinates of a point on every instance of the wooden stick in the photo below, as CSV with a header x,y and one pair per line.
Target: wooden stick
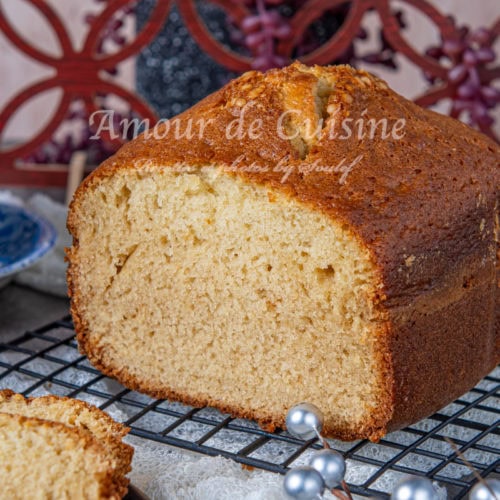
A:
x,y
75,173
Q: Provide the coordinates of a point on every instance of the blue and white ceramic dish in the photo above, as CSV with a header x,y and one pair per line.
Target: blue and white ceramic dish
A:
x,y
24,239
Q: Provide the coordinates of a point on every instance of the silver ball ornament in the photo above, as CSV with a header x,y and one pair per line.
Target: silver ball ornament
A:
x,y
304,483
481,492
414,488
331,465
304,421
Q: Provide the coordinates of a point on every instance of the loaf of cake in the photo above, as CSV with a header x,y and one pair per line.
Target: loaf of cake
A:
x,y
56,447
304,234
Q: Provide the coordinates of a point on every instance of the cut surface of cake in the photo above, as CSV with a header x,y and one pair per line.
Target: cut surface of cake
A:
x,y
252,271
63,432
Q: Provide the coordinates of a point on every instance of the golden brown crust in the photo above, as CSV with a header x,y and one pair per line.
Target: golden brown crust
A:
x,y
117,430
414,202
109,489
121,452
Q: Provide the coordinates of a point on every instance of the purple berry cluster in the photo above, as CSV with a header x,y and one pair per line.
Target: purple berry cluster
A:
x,y
61,147
469,54
261,31
269,23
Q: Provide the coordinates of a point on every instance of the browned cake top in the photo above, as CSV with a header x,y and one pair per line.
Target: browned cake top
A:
x,y
404,178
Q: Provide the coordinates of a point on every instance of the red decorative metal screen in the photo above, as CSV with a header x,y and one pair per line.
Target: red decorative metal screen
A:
x,y
79,73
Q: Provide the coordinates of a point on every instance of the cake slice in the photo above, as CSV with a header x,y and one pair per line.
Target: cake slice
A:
x,y
304,234
75,414
44,459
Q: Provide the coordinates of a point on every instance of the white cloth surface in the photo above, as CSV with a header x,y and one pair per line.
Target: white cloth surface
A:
x,y
49,273
164,472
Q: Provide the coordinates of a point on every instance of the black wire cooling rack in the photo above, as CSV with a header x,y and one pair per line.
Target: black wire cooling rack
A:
x,y
47,360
